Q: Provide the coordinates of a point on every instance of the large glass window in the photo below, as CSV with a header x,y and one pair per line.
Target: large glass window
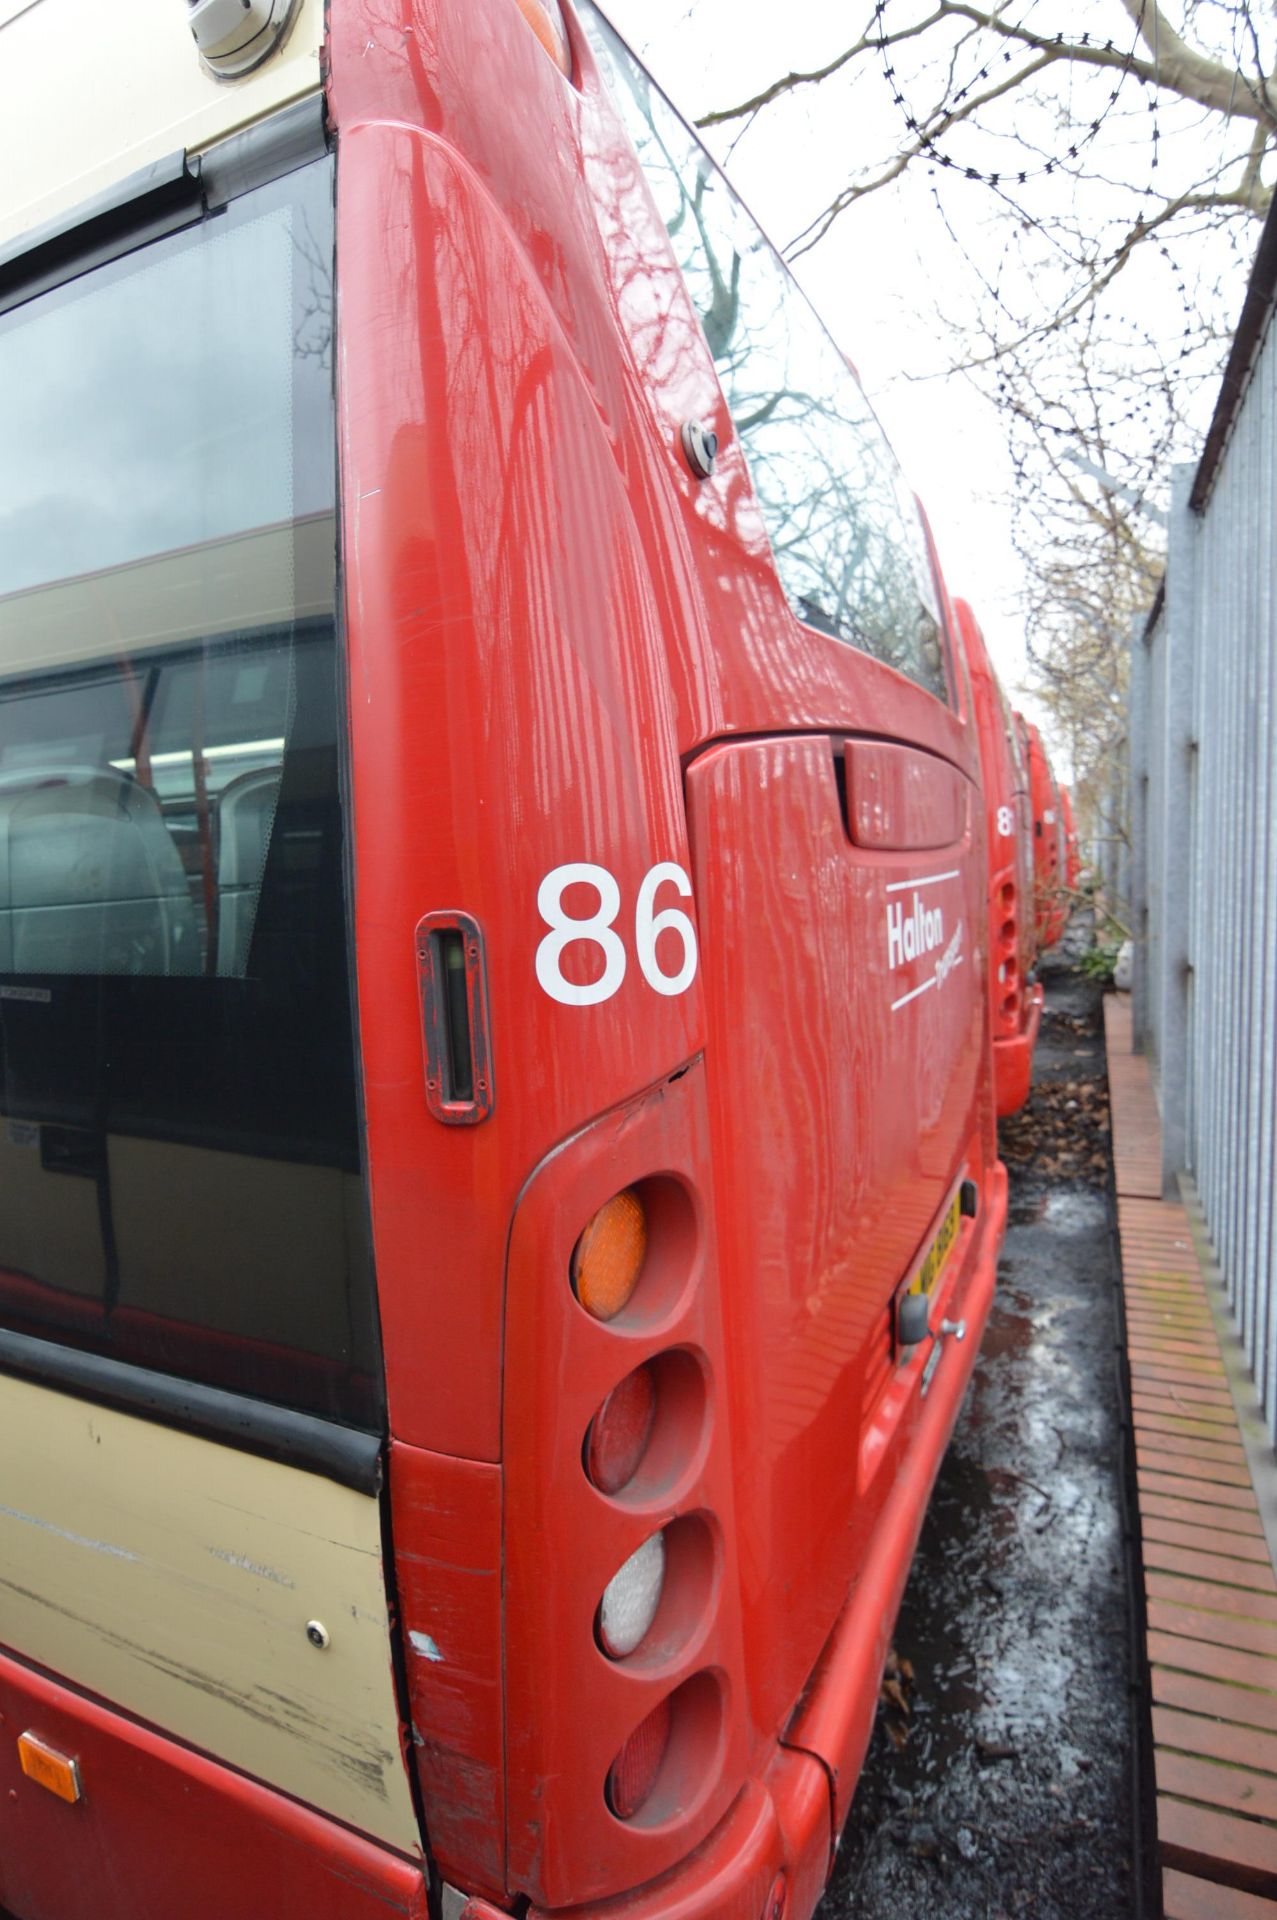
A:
x,y
179,1162
844,529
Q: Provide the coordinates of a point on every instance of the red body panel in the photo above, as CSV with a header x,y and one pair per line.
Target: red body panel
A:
x,y
446,1518
779,1826
1015,1003
899,800
162,1831
508,692
835,1125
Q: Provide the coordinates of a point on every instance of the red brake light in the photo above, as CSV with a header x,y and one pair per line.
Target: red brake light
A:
x,y
620,1431
632,1774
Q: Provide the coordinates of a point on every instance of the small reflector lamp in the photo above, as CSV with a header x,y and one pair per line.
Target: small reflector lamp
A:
x,y
631,1597
57,1772
608,1258
546,20
632,1774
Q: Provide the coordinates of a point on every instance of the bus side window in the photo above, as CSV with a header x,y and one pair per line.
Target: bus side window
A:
x,y
844,532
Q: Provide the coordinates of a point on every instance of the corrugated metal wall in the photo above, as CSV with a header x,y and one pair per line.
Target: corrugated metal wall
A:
x,y
1204,790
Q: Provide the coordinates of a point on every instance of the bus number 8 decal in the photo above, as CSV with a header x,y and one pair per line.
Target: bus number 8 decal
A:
x,y
598,928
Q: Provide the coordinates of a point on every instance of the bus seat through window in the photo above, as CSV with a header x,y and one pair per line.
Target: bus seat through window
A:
x,y
90,881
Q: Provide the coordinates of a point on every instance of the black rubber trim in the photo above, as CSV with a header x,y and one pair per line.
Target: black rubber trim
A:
x,y
289,139
168,195
343,1454
160,199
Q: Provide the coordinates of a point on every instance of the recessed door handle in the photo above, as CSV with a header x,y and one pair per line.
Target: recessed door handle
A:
x,y
453,984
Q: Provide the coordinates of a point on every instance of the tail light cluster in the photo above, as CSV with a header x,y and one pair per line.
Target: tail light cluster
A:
x,y
618,1588
642,1441
1006,957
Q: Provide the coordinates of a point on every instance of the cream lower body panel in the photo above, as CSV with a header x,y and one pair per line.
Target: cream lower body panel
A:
x,y
175,1577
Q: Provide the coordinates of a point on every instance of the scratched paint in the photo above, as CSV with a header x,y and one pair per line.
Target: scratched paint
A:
x,y
425,1646
252,1566
64,1533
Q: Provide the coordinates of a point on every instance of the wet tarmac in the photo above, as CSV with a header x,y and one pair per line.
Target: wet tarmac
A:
x,y
999,1781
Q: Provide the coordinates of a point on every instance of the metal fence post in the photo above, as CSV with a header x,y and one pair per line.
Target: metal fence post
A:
x,y
1176,752
1137,812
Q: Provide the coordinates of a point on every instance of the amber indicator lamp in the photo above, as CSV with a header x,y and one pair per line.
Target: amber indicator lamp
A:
x,y
608,1258
57,1772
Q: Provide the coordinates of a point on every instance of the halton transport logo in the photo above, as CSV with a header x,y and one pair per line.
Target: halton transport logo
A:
x,y
916,930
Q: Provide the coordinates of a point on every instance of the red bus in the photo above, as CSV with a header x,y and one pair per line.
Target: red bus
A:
x,y
1015,999
1048,838
497,1141
1072,851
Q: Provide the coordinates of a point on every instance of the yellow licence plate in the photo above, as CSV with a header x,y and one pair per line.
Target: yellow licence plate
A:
x,y
938,1252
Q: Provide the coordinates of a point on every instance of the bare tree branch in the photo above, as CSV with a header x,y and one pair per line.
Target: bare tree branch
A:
x,y
1183,70
1177,68
792,81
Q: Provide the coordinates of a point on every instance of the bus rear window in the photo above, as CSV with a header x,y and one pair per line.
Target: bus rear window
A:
x,y
179,1164
844,530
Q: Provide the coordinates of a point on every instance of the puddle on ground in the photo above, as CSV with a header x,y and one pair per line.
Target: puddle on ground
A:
x,y
1065,1209
1075,1210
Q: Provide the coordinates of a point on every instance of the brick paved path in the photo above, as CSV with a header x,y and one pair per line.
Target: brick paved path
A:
x,y
1209,1588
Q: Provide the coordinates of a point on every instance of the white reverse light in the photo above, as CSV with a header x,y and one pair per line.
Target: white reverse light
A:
x,y
631,1598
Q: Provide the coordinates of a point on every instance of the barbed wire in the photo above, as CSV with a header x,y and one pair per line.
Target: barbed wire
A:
x,y
946,109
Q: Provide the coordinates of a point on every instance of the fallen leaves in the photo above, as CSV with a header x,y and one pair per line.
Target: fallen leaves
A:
x,y
1062,1133
897,1680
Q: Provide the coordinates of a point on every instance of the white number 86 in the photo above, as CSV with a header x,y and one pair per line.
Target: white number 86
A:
x,y
598,928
